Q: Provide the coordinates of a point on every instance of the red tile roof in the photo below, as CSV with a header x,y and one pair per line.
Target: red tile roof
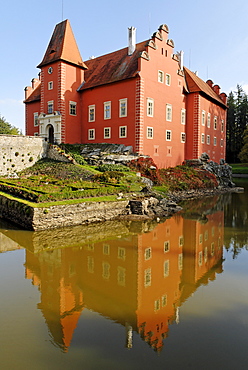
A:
x,y
196,84
34,96
62,46
112,67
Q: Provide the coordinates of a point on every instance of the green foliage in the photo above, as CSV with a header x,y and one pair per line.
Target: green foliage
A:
x,y
237,120
113,167
243,155
109,177
7,129
240,168
78,158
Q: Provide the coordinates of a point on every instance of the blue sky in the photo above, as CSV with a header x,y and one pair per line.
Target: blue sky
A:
x,y
212,34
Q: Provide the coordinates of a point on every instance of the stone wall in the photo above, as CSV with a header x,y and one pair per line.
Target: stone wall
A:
x,y
34,218
20,152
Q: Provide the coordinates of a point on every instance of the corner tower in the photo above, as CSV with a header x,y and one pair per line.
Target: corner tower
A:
x,y
62,72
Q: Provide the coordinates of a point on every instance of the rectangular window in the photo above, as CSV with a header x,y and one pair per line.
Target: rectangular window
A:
x,y
203,117
222,125
121,276
208,139
148,253
168,112
107,132
183,137
166,246
91,134
123,131
157,305
106,249
221,142
73,108
168,135
180,261
164,300
200,258
166,268
91,113
107,110
215,141
209,120
36,121
181,241
203,138
215,122
50,85
149,133
121,253
161,76
183,116
150,107
50,107
167,79
123,107
105,270
148,277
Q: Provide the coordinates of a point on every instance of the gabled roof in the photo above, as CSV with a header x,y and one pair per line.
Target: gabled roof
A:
x,y
34,96
62,46
196,84
112,67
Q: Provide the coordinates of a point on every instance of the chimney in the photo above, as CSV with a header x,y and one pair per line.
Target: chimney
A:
x,y
223,97
35,83
131,40
216,89
28,91
210,83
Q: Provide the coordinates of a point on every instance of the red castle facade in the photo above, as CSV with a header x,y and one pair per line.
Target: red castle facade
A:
x,y
140,96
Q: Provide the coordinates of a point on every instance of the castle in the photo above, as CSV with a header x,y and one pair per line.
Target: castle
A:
x,y
140,96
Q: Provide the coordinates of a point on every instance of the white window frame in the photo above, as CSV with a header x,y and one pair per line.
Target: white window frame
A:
x,y
209,120
166,268
203,138
203,117
148,253
50,107
168,112
91,113
148,277
168,135
167,79
166,246
149,132
120,131
221,142
91,134
222,125
104,132
160,76
183,116
36,116
123,109
50,85
150,107
72,108
183,137
107,110
215,122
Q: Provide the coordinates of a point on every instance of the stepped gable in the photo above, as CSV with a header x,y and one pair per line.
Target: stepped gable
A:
x,y
35,95
63,46
196,84
112,67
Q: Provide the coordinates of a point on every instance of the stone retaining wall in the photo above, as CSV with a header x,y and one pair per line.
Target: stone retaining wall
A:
x,y
59,215
19,152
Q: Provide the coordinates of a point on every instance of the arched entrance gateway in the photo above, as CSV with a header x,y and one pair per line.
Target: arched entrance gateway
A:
x,y
50,131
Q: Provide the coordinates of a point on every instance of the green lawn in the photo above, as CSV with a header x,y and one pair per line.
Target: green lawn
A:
x,y
239,168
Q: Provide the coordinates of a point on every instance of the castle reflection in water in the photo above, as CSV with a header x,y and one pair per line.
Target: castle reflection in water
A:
x,y
137,274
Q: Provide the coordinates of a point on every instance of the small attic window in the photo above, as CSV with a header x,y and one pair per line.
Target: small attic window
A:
x,y
52,51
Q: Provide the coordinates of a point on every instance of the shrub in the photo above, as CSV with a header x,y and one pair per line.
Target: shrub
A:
x,y
113,167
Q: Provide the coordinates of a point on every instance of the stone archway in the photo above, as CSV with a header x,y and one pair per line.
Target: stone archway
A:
x,y
50,131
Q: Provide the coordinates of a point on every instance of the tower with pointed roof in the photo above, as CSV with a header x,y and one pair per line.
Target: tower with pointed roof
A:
x,y
140,96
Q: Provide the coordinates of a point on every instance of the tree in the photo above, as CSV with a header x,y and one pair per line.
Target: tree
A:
x,y
7,129
237,119
243,155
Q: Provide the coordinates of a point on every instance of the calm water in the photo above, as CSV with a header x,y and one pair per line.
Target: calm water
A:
x,y
128,295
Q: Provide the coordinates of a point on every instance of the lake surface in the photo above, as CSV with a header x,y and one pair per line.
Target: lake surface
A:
x,y
129,295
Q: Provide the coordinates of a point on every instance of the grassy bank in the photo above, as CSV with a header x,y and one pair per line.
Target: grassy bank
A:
x,y
240,168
